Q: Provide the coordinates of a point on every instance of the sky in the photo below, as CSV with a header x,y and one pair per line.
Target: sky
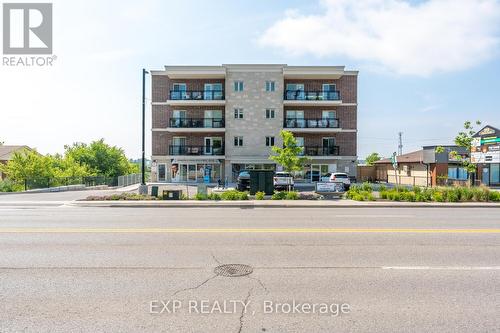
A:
x,y
424,66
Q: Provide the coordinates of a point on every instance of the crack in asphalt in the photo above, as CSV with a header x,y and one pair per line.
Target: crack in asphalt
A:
x,y
193,288
216,260
260,282
243,310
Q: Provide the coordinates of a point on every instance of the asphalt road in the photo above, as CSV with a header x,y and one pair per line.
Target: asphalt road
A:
x,y
69,269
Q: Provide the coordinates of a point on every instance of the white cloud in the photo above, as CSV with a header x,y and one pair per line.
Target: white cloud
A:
x,y
418,39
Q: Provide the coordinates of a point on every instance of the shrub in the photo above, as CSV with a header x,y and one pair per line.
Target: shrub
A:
x,y
480,194
358,197
292,195
383,194
234,195
416,189
200,196
494,196
382,188
214,196
366,187
278,195
184,196
438,196
9,186
259,196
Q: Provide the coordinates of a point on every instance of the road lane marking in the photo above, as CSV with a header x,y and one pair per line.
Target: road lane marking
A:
x,y
248,230
454,268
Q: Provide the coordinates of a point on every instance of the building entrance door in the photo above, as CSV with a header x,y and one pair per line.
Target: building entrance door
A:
x,y
486,176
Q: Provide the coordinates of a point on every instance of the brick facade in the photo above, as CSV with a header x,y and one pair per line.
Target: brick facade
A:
x,y
345,141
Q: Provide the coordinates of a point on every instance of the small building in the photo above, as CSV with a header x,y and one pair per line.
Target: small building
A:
x,y
485,153
424,167
6,153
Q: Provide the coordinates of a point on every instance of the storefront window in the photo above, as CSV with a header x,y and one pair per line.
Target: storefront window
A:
x,y
457,173
495,173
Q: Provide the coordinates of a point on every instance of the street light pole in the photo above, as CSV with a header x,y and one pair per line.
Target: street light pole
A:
x,y
143,164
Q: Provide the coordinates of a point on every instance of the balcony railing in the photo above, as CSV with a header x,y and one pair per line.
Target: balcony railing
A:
x,y
203,95
301,95
195,150
321,151
196,122
311,123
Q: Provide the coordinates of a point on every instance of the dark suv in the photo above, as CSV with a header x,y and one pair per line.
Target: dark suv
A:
x,y
243,181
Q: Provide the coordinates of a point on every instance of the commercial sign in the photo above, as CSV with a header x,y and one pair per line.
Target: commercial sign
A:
x,y
486,157
329,187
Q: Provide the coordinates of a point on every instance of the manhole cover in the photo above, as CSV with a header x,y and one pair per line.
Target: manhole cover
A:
x,y
233,270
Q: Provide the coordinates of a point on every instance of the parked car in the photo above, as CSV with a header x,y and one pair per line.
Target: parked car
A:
x,y
283,181
315,176
243,181
326,177
342,177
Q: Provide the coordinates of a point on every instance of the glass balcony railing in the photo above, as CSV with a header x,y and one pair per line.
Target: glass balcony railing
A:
x,y
203,95
321,151
196,150
311,123
301,95
196,122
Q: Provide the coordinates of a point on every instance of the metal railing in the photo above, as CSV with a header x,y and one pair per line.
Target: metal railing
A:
x,y
195,150
131,179
197,95
321,151
311,123
49,182
196,122
302,95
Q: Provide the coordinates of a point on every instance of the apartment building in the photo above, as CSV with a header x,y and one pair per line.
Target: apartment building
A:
x,y
210,122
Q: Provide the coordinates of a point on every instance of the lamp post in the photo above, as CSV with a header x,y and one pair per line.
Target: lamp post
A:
x,y
143,162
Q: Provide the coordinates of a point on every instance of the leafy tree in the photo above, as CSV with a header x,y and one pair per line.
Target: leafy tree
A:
x,y
101,158
27,164
289,157
372,158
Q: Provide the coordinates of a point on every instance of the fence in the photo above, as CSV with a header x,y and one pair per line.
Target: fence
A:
x,y
131,179
48,182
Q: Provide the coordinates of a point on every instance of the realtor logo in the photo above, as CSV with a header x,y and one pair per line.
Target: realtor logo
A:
x,y
27,28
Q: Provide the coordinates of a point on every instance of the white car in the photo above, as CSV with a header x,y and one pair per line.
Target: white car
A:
x,y
283,181
341,177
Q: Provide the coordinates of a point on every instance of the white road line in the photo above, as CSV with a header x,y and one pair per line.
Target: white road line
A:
x,y
452,268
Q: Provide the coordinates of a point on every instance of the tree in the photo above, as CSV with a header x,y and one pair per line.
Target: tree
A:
x,y
101,158
463,139
26,164
289,157
372,158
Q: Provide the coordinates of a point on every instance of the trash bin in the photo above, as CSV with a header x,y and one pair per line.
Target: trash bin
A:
x,y
261,181
154,191
172,194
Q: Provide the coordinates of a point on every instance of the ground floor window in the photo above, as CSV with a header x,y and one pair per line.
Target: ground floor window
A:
x,y
237,167
457,173
196,172
314,172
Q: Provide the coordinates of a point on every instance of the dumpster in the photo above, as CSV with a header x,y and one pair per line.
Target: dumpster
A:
x,y
172,194
154,191
261,181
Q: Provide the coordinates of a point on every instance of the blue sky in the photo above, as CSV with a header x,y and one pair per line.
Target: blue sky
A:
x,y
425,66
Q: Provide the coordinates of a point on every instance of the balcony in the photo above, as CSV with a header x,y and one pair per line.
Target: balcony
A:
x,y
321,151
196,95
196,123
301,97
196,150
311,123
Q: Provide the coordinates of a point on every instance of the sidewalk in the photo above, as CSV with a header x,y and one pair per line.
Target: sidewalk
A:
x,y
281,204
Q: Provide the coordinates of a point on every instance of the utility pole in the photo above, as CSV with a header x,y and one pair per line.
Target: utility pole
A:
x,y
143,163
400,146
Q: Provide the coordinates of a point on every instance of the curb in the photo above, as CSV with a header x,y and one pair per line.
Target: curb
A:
x,y
277,204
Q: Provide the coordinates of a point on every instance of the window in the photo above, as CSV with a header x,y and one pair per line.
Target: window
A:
x,y
270,86
238,85
178,91
238,113
269,141
238,141
270,113
457,173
